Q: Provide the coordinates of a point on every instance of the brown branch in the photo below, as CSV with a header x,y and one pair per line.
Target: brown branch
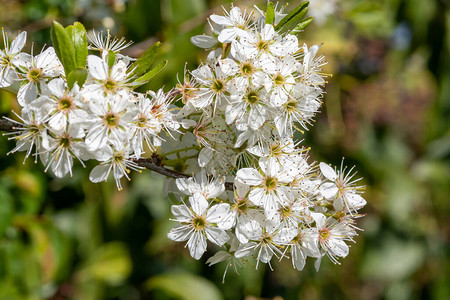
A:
x,y
6,125
153,163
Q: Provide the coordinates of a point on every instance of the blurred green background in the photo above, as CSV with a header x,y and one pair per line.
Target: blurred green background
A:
x,y
386,110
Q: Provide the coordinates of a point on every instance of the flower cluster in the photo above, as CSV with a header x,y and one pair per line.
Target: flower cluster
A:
x,y
102,119
255,194
241,110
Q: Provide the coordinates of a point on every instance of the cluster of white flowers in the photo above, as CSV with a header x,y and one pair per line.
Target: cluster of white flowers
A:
x,y
255,193
242,108
104,119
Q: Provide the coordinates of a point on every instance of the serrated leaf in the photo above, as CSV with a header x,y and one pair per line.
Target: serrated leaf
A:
x,y
302,25
150,74
77,75
270,13
292,14
77,33
144,62
63,47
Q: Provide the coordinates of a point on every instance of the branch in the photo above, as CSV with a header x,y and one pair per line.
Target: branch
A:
x,y
153,163
6,125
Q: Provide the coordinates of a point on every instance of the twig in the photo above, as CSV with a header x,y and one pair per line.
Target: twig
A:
x,y
152,163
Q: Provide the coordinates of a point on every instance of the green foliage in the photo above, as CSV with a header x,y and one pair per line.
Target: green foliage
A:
x,y
184,286
78,75
71,47
143,64
109,263
77,33
270,13
302,25
293,18
64,47
152,72
386,109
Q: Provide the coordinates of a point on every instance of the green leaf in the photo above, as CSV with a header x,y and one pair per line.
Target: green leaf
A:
x,y
150,74
78,75
270,13
111,58
302,25
77,33
293,18
111,263
184,286
6,208
63,47
144,62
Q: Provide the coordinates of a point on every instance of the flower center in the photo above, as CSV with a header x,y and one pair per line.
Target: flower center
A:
x,y
241,205
35,75
112,119
275,150
278,79
34,128
6,60
142,120
64,141
199,223
266,238
64,104
290,105
251,97
324,234
297,239
247,69
262,46
286,211
187,91
118,156
270,183
110,84
218,86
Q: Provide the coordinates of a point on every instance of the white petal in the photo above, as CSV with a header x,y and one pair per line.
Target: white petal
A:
x,y
298,257
221,20
355,201
328,171
245,249
97,67
57,87
338,247
180,233
270,166
218,257
99,173
328,190
249,176
18,43
197,244
217,235
203,41
205,156
221,215
227,35
285,235
198,203
183,185
257,196
320,219
182,213
63,165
